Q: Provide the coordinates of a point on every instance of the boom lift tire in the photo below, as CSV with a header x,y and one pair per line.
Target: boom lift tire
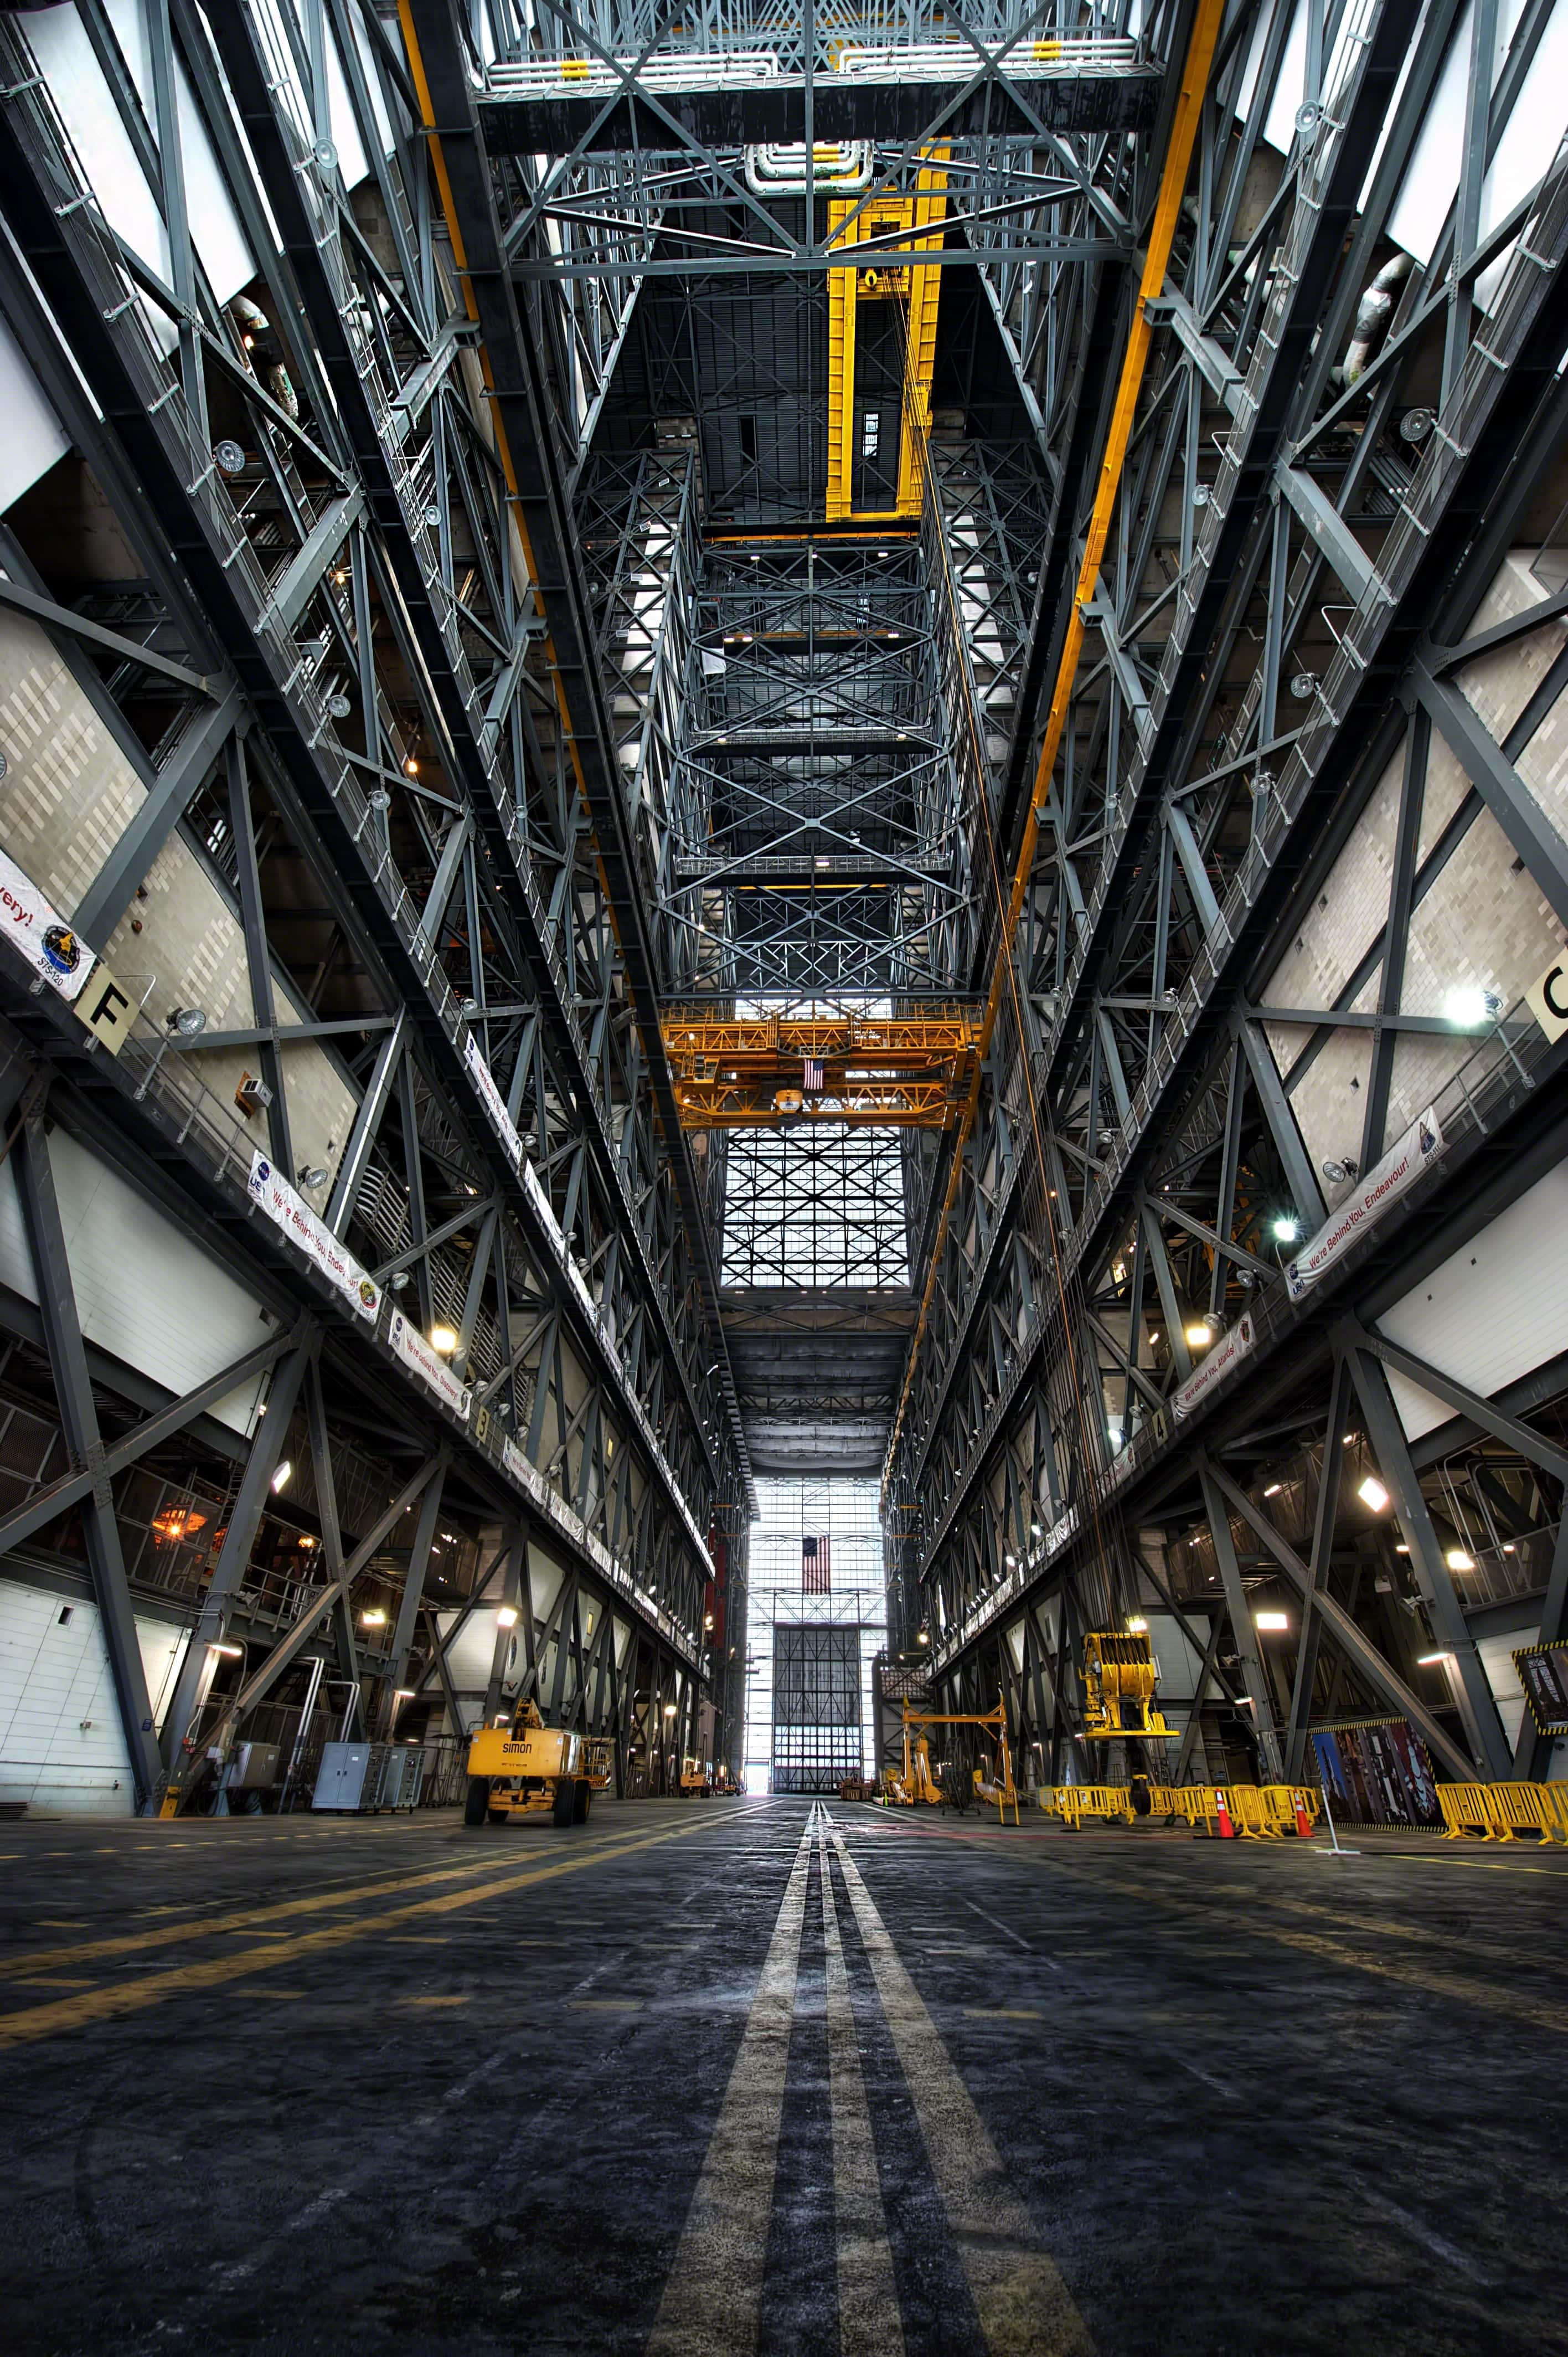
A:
x,y
476,1808
565,1813
581,1802
498,1816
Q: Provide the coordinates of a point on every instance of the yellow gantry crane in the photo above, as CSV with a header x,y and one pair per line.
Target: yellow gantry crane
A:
x,y
917,1783
909,1071
889,277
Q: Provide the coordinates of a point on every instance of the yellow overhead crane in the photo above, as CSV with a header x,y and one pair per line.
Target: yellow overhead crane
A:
x,y
1119,1680
897,1072
523,1768
917,1782
890,277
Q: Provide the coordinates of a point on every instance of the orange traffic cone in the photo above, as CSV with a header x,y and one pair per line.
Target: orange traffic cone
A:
x,y
1227,1830
1302,1822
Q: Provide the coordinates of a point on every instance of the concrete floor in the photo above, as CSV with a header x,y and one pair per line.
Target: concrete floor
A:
x,y
289,2085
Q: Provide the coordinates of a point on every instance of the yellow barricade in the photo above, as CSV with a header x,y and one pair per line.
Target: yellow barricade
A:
x,y
1258,1812
1553,1812
1283,1801
1073,1802
1501,1812
1196,1803
1251,1814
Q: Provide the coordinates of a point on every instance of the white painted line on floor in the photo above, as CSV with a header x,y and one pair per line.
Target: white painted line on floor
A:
x,y
869,2321
1437,2243
987,1917
713,2297
1024,2308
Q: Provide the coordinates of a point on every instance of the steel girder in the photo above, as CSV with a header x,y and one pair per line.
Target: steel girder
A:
x,y
1166,1131
534,435
290,598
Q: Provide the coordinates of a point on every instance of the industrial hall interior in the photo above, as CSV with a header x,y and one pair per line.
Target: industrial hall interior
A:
x,y
783,1178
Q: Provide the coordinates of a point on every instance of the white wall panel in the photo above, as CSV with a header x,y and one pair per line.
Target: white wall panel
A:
x,y
1494,1310
145,1291
214,225
1177,1664
1528,140
34,438
474,1649
87,108
62,1747
1497,1659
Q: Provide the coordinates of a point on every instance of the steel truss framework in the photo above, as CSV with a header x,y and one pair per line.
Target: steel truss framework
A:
x,y
1299,594
342,690
788,703
513,685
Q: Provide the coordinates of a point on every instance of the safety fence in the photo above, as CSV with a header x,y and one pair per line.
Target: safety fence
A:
x,y
1271,1812
1502,1812
1251,1812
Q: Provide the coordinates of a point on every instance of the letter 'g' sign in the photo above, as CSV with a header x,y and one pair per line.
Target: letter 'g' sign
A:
x,y
1547,999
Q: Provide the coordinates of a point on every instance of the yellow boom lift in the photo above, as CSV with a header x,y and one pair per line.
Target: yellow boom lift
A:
x,y
1119,1680
523,1768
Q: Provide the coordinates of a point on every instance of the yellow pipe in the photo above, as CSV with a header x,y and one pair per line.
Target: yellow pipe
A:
x,y
1172,185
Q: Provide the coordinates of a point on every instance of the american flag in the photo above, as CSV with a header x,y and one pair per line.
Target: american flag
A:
x,y
815,1077
816,1574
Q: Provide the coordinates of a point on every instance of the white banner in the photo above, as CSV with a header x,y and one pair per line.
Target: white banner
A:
x,y
1228,1353
415,1351
494,1103
314,1237
525,1475
1395,1175
29,922
541,1202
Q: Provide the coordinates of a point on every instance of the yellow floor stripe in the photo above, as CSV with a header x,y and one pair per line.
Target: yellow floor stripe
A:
x,y
1384,1926
712,2295
1453,1986
1024,2308
134,1996
247,1919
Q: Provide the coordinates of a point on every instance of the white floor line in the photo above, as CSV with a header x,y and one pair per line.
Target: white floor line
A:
x,y
870,2324
1024,2308
713,2297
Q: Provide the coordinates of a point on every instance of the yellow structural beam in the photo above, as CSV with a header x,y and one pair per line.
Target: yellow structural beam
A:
x,y
1172,185
892,278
